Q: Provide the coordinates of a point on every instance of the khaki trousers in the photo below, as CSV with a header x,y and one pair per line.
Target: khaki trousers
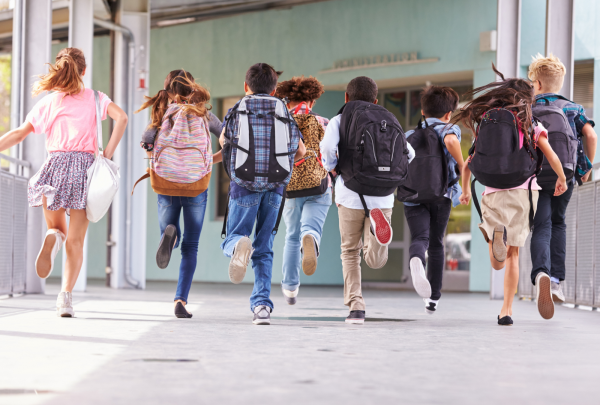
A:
x,y
353,225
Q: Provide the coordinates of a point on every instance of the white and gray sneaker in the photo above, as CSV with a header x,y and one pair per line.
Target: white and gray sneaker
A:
x,y
262,315
240,259
430,305
419,278
64,305
290,296
557,292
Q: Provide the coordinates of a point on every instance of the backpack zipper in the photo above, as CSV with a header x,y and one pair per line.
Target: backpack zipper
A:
x,y
393,149
372,144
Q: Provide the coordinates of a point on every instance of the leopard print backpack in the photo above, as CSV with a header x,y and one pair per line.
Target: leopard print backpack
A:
x,y
308,173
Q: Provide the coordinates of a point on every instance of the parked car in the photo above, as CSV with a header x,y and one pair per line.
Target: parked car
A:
x,y
458,251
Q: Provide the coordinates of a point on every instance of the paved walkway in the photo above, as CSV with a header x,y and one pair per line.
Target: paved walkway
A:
x,y
126,347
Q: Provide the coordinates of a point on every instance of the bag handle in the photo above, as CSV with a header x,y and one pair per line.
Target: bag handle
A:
x,y
98,121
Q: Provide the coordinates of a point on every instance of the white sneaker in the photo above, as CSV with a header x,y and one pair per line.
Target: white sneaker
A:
x,y
240,259
430,305
290,296
44,264
419,278
64,305
262,315
557,292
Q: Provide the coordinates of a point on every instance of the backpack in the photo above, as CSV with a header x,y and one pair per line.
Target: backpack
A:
x,y
261,139
373,157
182,156
428,172
495,158
562,139
309,177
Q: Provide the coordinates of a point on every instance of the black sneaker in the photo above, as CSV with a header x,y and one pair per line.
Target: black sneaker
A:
x,y
357,317
165,247
262,315
181,312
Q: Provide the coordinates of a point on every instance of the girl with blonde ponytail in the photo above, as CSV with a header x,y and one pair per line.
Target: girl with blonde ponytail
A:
x,y
179,145
67,115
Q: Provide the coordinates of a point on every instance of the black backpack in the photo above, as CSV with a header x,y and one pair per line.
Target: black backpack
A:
x,y
428,172
495,158
561,138
373,158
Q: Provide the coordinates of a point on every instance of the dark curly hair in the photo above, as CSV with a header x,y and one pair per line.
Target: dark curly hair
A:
x,y
300,89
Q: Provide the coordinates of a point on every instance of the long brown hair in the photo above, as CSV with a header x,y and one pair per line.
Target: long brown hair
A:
x,y
513,94
181,88
64,75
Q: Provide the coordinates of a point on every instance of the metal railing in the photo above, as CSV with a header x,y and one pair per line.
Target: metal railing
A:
x,y
582,280
13,222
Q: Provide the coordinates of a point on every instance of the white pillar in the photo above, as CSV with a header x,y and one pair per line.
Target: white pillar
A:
x,y
507,62
129,253
560,38
35,51
81,35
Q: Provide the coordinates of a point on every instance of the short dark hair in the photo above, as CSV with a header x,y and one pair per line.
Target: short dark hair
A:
x,y
262,78
362,88
437,101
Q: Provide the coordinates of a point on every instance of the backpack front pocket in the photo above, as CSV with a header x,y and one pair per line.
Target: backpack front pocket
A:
x,y
181,165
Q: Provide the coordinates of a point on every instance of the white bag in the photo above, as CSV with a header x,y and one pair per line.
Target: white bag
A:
x,y
102,177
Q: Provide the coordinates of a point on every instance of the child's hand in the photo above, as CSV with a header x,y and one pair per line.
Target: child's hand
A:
x,y
586,176
561,186
465,197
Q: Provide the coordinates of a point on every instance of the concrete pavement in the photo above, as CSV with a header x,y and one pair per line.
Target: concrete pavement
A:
x,y
126,347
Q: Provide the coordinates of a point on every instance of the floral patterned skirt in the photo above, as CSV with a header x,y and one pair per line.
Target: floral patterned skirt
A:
x,y
62,180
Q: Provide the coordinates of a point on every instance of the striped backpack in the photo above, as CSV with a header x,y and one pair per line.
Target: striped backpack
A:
x,y
182,156
261,139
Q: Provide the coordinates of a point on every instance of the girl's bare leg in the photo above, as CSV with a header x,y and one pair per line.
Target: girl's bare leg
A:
x,y
511,276
78,225
55,219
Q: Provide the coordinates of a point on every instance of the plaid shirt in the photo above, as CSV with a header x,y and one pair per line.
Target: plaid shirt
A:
x,y
302,108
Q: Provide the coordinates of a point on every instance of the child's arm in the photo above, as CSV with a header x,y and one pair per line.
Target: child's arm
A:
x,y
561,183
116,113
301,151
590,142
16,136
453,146
218,157
466,185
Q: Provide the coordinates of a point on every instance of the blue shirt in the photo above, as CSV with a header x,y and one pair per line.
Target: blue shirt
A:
x,y
455,191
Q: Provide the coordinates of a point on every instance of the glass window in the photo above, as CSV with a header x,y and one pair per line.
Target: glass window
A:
x,y
415,108
396,104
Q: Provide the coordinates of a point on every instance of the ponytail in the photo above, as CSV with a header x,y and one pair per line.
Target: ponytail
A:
x,y
182,89
64,75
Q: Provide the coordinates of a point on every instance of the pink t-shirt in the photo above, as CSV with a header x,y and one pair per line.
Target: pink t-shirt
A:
x,y
69,122
539,130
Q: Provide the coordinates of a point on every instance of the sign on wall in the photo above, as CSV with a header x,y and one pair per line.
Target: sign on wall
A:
x,y
393,59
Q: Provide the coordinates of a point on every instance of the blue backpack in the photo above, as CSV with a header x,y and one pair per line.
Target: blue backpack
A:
x,y
261,139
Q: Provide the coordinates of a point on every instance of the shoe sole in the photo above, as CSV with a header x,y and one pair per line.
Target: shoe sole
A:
x,y
239,260
262,322
382,228
428,312
165,248
498,246
544,298
185,316
43,264
309,255
355,321
66,314
420,282
290,301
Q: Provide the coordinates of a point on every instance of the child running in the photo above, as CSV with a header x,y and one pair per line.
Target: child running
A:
x,y
68,118
428,219
309,192
505,157
260,141
179,146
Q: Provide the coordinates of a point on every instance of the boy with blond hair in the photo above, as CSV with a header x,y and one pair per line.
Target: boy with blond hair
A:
x,y
548,241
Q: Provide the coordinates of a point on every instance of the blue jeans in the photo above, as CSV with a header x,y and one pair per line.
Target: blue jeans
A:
x,y
244,211
302,216
169,210
549,237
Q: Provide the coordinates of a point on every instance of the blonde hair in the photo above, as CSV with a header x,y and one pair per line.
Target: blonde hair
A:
x,y
550,72
64,75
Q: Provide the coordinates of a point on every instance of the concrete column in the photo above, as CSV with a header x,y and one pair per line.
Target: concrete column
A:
x,y
129,212
509,37
35,51
560,38
81,35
